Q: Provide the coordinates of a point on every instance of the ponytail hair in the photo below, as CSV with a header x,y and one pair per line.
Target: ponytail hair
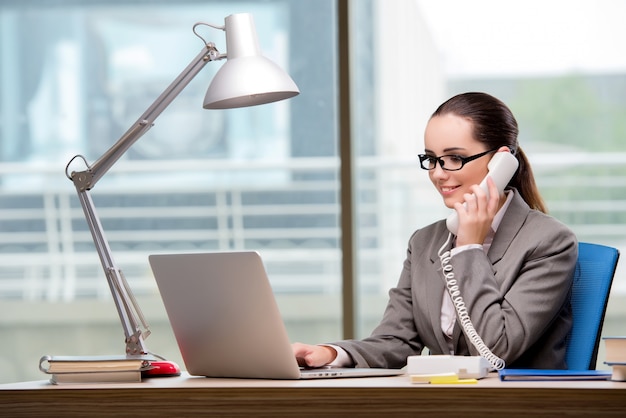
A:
x,y
524,182
495,126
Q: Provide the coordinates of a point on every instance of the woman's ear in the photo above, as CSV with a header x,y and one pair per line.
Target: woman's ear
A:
x,y
504,148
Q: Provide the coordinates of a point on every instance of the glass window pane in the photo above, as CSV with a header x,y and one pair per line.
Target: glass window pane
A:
x,y
74,78
561,73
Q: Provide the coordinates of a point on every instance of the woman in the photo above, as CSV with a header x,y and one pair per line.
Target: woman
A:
x,y
512,262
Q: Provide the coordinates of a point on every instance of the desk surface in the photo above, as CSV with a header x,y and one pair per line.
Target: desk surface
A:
x,y
187,396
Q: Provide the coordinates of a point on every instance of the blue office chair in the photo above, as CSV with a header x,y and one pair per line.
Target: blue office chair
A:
x,y
590,294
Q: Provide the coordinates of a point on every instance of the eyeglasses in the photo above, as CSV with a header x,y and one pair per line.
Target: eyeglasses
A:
x,y
449,162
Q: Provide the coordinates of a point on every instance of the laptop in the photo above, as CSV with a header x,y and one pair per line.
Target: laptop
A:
x,y
226,320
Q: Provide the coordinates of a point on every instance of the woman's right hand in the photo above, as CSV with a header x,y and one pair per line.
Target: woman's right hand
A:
x,y
313,355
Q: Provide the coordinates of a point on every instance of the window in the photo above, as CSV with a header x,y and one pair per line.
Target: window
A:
x,y
560,72
74,78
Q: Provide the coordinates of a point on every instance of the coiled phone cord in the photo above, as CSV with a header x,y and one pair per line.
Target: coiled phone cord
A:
x,y
453,289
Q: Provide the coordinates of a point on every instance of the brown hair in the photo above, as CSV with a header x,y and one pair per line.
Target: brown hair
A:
x,y
495,126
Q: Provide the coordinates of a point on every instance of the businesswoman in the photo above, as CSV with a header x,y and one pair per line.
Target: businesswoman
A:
x,y
512,263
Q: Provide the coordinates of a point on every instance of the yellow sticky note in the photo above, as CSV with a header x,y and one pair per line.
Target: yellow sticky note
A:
x,y
440,378
455,381
427,378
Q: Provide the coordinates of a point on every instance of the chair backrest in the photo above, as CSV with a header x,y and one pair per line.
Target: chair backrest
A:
x,y
590,293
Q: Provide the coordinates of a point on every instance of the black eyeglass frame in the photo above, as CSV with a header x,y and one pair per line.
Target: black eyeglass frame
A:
x,y
464,160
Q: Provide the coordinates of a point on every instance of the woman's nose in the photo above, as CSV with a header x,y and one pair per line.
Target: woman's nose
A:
x,y
438,172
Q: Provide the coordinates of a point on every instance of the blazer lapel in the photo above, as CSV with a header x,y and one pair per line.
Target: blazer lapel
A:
x,y
509,227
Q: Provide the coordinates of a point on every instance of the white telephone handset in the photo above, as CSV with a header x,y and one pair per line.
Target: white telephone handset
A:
x,y
501,169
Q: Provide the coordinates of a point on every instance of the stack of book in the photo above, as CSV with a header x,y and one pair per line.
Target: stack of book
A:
x,y
615,356
94,369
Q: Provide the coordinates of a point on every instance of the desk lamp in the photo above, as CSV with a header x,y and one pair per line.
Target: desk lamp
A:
x,y
246,79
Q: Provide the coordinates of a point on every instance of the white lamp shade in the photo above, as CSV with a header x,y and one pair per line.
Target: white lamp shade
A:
x,y
247,78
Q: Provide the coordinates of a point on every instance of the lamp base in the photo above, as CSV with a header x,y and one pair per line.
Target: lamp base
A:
x,y
162,369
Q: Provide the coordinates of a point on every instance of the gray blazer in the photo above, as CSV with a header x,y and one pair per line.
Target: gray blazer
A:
x,y
517,295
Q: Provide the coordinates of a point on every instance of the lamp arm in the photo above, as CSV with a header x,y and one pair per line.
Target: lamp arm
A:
x,y
88,178
131,317
127,308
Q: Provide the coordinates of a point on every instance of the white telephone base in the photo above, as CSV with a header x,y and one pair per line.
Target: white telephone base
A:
x,y
465,367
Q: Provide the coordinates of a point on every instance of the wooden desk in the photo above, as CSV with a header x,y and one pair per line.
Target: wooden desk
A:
x,y
382,397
